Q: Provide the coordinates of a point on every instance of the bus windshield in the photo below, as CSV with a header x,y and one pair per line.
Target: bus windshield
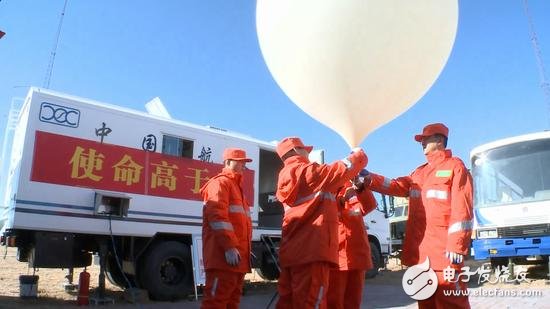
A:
x,y
512,174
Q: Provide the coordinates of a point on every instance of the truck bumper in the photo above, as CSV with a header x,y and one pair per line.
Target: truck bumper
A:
x,y
509,247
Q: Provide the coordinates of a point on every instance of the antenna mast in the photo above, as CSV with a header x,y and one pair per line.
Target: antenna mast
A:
x,y
49,71
538,55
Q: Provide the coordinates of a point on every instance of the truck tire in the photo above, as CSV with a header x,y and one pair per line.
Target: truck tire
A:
x,y
498,261
114,274
167,271
376,261
268,268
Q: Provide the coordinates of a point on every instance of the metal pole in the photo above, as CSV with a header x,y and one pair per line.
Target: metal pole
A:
x,y
540,64
49,70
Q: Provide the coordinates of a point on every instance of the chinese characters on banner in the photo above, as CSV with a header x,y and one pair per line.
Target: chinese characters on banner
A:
x,y
78,162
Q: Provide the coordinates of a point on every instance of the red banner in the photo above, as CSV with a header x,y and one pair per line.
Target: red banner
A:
x,y
78,162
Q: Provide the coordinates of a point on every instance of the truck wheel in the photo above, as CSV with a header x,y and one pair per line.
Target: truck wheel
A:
x,y
376,261
498,261
167,271
268,268
114,274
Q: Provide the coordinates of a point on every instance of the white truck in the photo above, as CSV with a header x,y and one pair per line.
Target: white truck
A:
x,y
89,177
86,177
378,228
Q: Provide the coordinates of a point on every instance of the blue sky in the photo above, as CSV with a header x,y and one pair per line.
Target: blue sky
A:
x,y
203,60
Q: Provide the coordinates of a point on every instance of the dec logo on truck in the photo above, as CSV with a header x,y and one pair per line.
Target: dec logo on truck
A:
x,y
60,115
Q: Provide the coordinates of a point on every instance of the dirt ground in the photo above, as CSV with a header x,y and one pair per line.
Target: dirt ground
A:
x,y
51,292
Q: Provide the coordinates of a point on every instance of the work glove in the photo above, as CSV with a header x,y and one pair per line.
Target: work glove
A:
x,y
232,256
362,174
358,183
454,258
363,178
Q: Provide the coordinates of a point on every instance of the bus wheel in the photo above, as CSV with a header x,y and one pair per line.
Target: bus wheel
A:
x,y
167,271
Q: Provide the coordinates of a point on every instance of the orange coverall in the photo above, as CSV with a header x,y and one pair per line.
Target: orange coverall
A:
x,y
346,282
309,243
226,224
440,218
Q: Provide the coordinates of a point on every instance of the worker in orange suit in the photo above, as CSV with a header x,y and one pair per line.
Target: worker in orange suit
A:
x,y
346,282
309,242
226,233
439,225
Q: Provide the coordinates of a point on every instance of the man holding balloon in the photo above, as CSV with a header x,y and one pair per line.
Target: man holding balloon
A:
x,y
309,239
355,65
439,226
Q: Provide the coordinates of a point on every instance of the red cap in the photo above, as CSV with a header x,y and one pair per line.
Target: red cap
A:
x,y
432,129
289,143
236,154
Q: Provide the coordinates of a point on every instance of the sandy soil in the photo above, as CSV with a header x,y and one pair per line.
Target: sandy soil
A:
x,y
51,292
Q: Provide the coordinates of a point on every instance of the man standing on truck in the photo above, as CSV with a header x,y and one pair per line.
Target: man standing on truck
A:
x,y
309,239
226,233
346,282
439,225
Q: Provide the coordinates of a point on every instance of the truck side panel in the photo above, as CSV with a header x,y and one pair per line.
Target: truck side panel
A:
x,y
88,177
58,178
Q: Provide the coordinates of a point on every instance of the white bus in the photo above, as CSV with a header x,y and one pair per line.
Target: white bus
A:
x,y
512,199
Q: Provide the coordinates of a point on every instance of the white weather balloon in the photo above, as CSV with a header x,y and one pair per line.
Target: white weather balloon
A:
x,y
354,65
